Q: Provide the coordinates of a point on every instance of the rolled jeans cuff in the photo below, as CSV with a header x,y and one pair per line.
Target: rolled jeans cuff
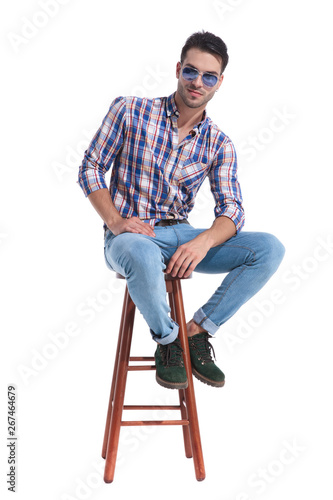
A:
x,y
201,319
168,338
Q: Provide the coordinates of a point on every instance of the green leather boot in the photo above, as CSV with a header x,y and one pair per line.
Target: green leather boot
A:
x,y
170,369
203,366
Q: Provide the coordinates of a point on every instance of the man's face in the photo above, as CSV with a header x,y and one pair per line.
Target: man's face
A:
x,y
195,94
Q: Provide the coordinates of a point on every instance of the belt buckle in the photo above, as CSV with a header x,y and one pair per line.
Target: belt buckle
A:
x,y
170,219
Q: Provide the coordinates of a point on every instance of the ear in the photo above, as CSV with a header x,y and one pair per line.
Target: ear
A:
x,y
178,68
220,82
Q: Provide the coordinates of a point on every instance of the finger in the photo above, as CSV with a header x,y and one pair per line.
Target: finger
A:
x,y
139,230
147,230
172,261
190,269
184,268
178,268
140,227
144,227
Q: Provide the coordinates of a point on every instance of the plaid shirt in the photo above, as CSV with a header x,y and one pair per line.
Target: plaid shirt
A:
x,y
154,177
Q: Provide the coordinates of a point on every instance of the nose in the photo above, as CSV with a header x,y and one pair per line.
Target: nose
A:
x,y
198,81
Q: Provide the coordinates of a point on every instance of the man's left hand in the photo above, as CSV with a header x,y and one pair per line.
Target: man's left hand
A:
x,y
187,257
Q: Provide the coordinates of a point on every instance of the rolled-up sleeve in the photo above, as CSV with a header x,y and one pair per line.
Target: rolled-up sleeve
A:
x,y
225,186
103,148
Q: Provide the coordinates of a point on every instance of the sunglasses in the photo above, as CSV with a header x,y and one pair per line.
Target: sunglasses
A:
x,y
191,74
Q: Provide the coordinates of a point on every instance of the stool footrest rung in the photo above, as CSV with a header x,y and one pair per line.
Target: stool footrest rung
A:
x,y
142,358
136,368
153,422
151,407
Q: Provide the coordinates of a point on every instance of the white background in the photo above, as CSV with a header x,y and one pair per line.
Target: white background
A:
x,y
60,72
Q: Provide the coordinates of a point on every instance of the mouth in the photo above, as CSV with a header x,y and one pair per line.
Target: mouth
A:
x,y
194,93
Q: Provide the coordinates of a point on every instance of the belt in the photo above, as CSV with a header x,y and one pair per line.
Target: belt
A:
x,y
171,222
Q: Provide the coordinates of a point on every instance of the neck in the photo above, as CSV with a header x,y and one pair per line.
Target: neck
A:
x,y
188,116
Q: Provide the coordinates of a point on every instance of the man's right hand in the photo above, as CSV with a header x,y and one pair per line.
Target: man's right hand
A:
x,y
131,225
103,204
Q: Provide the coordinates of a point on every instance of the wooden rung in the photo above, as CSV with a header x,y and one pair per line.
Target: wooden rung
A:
x,y
141,358
150,407
154,422
140,368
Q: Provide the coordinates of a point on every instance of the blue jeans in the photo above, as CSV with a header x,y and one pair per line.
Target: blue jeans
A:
x,y
249,258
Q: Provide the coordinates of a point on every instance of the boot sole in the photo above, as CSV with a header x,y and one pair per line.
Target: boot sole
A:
x,y
171,385
205,380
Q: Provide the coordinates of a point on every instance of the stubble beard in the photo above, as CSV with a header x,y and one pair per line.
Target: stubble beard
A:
x,y
192,104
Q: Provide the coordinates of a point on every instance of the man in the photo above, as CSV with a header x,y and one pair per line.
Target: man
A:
x,y
162,150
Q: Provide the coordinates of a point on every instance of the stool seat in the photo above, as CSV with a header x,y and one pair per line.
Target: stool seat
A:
x,y
168,277
187,405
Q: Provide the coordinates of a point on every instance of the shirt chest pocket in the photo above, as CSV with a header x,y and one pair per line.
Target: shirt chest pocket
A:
x,y
192,172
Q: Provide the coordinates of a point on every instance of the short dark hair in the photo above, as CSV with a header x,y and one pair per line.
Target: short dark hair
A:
x,y
207,42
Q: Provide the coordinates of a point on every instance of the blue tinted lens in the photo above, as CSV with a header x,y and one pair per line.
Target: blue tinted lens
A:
x,y
209,80
190,74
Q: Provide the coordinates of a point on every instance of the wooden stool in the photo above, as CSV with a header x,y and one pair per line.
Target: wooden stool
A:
x,y
187,405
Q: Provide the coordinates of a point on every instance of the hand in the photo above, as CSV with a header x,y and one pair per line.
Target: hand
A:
x,y
103,204
131,225
187,257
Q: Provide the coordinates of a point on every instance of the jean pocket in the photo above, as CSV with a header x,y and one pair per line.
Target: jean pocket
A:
x,y
108,235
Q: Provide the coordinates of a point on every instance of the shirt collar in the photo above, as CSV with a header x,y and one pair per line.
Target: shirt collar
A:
x,y
171,108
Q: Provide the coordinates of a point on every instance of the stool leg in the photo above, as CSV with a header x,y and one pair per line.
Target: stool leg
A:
x,y
119,391
182,396
186,430
114,378
189,392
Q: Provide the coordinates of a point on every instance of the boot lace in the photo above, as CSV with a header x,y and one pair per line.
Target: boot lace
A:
x,y
172,354
204,348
